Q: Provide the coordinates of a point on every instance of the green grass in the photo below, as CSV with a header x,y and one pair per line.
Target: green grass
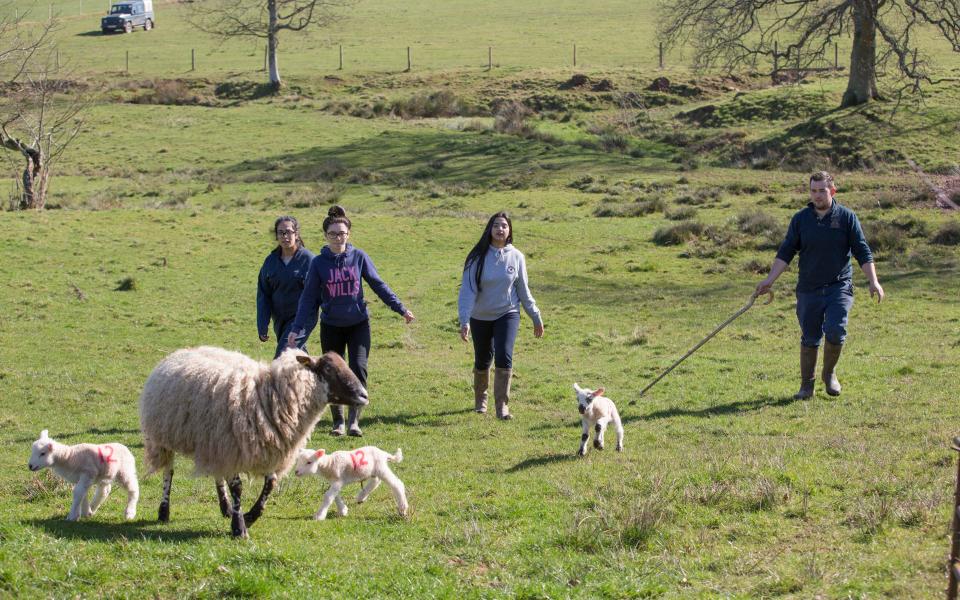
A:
x,y
727,487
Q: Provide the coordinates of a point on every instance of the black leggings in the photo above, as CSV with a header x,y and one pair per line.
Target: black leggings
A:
x,y
493,341
351,342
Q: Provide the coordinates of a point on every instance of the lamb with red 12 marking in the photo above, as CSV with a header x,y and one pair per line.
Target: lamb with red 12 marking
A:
x,y
598,411
343,467
85,465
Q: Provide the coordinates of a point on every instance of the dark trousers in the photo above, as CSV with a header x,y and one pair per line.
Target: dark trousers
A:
x,y
352,343
823,313
282,330
493,341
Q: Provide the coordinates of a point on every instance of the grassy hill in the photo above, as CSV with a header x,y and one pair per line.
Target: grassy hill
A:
x,y
647,214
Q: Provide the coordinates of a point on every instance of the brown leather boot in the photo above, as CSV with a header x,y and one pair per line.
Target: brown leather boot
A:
x,y
831,354
501,392
481,381
808,367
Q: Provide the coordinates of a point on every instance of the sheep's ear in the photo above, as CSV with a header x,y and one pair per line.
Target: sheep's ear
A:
x,y
576,387
43,434
319,453
600,391
305,360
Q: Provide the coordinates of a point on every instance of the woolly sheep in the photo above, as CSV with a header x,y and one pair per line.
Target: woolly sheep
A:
x,y
235,415
597,411
85,465
343,467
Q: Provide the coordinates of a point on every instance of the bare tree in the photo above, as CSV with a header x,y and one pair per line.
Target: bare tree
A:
x,y
737,33
265,19
37,120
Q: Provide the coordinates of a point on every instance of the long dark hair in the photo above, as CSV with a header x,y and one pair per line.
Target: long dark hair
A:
x,y
480,249
296,227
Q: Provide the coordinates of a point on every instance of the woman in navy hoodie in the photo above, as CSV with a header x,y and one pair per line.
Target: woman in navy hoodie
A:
x,y
333,287
280,283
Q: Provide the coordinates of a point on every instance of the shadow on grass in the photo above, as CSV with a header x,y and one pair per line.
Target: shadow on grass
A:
x,y
437,155
731,408
89,432
540,461
431,418
93,530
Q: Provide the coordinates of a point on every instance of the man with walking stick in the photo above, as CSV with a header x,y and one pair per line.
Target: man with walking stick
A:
x,y
825,234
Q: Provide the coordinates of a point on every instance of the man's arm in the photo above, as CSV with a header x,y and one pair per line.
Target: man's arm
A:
x,y
870,270
776,269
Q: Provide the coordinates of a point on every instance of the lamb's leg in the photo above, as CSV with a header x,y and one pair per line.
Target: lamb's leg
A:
x,y
600,427
332,493
367,489
584,437
399,491
222,497
79,499
618,427
237,525
164,516
269,482
133,496
341,506
101,494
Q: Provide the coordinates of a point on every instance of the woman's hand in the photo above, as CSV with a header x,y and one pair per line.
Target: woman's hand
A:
x,y
538,330
292,340
464,332
264,337
408,317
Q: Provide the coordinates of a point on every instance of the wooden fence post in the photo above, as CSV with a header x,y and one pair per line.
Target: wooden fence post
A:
x,y
193,59
408,59
127,63
776,57
836,56
661,55
58,60
574,55
340,68
489,58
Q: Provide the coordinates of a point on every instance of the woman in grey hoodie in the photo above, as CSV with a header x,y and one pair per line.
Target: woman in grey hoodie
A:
x,y
494,287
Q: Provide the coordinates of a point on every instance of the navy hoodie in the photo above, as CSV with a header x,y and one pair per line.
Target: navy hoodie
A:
x,y
278,289
333,287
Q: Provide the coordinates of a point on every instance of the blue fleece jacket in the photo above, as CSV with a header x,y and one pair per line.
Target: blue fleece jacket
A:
x,y
825,245
333,287
278,289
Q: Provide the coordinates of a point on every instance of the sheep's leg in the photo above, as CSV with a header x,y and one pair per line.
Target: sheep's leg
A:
x,y
269,482
399,491
164,516
367,489
332,493
341,506
237,525
79,505
222,497
584,437
101,494
600,427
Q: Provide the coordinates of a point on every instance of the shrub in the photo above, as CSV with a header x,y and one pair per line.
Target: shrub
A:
x,y
678,234
885,238
430,105
757,223
700,196
681,213
612,141
511,117
948,235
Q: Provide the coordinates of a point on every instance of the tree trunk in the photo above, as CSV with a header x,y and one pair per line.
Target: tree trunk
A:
x,y
273,28
862,85
34,179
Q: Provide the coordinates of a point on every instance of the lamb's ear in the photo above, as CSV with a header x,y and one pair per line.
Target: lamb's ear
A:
x,y
50,447
576,387
319,453
600,391
305,360
43,435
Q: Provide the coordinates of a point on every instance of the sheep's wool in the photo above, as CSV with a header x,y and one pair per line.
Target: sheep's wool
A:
x,y
230,412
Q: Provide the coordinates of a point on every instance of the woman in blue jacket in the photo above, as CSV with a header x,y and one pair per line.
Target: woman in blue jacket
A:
x,y
280,282
334,288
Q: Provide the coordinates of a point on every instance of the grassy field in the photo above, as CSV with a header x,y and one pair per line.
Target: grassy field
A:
x,y
644,226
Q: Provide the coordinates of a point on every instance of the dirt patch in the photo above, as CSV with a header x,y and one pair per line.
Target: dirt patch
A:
x,y
577,81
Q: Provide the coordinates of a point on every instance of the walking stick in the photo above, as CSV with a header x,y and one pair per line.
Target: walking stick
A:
x,y
745,308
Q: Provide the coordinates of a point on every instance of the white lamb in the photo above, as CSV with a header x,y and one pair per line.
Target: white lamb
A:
x,y
86,465
343,467
597,411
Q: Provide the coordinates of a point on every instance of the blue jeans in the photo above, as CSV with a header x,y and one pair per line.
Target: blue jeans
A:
x,y
823,313
493,341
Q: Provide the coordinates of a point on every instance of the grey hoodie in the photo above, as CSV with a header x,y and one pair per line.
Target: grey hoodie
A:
x,y
504,288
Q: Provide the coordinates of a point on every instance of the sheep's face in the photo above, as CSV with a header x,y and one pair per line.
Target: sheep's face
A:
x,y
343,387
42,453
307,462
585,397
